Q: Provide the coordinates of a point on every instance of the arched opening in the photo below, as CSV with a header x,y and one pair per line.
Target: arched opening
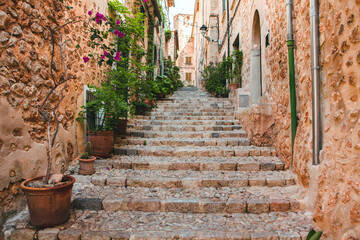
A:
x,y
255,61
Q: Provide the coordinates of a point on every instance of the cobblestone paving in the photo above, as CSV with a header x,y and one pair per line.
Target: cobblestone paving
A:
x,y
185,172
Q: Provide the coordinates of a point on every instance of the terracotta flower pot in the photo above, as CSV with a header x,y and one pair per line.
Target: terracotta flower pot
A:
x,y
121,128
102,142
233,86
87,166
48,206
149,102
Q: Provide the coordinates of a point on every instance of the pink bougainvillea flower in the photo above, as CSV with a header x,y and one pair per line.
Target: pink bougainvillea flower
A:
x,y
97,20
90,13
118,22
86,59
117,56
99,15
116,32
145,0
121,34
105,53
102,57
107,168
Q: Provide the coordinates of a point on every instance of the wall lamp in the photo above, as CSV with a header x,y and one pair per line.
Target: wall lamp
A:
x,y
204,30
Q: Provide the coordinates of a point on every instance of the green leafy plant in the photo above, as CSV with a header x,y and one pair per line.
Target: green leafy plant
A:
x,y
168,35
236,76
313,235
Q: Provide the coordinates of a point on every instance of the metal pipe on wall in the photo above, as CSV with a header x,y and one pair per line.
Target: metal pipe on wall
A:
x,y
291,47
315,75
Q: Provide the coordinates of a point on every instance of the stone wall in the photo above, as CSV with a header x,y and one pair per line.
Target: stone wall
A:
x,y
24,82
334,186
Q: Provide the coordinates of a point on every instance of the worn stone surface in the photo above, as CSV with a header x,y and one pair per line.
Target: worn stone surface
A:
x,y
48,234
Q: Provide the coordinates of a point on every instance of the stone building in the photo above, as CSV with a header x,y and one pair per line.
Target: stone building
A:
x,y
25,80
259,28
183,24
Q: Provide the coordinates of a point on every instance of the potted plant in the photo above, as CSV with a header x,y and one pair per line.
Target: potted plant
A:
x,y
235,76
49,197
87,161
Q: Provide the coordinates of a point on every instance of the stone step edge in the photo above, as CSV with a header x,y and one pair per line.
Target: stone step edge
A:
x,y
192,182
66,234
194,166
181,143
152,151
249,206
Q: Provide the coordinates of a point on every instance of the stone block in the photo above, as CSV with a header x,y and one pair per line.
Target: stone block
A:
x,y
70,234
120,235
23,234
228,166
289,236
140,166
244,101
96,235
238,235
214,206
267,166
87,204
152,235
185,166
241,153
189,183
98,180
144,205
249,166
209,166
257,206
236,206
274,182
116,181
114,204
264,236
48,234
279,205
122,165
182,205
257,181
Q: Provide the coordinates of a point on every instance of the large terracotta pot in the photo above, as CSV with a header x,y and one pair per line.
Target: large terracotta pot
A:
x,y
233,86
48,206
87,166
121,128
102,142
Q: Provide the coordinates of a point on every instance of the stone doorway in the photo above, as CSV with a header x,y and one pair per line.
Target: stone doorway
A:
x,y
255,61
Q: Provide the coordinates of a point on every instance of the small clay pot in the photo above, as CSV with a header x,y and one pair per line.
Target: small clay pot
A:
x,y
87,166
48,206
233,86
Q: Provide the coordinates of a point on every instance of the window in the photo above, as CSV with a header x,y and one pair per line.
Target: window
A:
x,y
188,77
188,61
223,5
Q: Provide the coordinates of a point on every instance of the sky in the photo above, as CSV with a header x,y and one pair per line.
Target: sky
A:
x,y
182,6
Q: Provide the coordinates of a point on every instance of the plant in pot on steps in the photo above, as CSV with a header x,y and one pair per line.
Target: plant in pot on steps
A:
x,y
49,197
235,75
87,161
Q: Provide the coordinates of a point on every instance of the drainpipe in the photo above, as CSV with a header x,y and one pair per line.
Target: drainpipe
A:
x,y
228,26
291,46
315,75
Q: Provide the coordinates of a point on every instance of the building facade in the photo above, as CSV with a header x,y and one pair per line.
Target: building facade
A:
x,y
183,24
25,80
260,29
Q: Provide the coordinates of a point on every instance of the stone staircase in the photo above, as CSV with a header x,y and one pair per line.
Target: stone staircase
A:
x,y
187,171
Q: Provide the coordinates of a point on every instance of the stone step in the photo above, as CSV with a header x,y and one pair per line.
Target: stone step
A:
x,y
241,151
147,122
253,200
178,134
195,110
223,142
185,108
219,118
186,128
91,225
246,164
191,114
187,179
